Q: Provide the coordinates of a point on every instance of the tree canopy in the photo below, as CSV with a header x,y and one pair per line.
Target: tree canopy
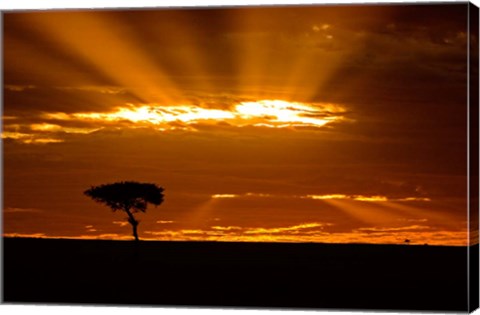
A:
x,y
129,195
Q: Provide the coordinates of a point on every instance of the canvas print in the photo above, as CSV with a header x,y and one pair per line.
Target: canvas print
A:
x,y
302,156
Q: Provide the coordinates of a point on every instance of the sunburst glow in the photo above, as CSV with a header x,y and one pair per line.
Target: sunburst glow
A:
x,y
159,114
269,113
279,113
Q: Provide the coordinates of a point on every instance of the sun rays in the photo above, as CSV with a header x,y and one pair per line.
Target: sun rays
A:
x,y
107,46
160,66
155,62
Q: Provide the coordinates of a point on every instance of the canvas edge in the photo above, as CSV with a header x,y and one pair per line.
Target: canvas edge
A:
x,y
473,157
472,123
1,157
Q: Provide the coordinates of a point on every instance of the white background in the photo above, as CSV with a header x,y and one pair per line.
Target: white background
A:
x,y
94,310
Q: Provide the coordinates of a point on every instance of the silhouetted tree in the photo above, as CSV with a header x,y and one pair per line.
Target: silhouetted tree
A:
x,y
129,196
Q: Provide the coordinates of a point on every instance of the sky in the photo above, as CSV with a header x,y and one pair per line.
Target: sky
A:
x,y
335,124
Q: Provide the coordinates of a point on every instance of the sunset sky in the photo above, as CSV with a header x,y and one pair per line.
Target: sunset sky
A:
x,y
287,124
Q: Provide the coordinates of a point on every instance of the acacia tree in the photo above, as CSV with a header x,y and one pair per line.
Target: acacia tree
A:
x,y
131,197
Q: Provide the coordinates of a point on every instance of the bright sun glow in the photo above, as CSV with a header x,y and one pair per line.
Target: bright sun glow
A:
x,y
262,113
160,114
267,113
277,112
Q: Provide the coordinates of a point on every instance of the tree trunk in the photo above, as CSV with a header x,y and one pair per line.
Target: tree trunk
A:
x,y
135,234
134,223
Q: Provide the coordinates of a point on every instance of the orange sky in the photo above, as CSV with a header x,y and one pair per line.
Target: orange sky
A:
x,y
293,124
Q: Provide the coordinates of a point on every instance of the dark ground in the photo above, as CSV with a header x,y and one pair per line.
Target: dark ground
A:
x,y
382,277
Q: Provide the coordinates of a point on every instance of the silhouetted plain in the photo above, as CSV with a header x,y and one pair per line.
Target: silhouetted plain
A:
x,y
288,275
129,196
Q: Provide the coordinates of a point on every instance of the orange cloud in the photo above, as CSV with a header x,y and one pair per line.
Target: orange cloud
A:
x,y
18,88
364,198
291,229
373,198
303,233
312,232
29,138
224,196
20,210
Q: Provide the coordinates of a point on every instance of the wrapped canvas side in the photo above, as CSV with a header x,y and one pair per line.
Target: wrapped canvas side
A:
x,y
473,254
